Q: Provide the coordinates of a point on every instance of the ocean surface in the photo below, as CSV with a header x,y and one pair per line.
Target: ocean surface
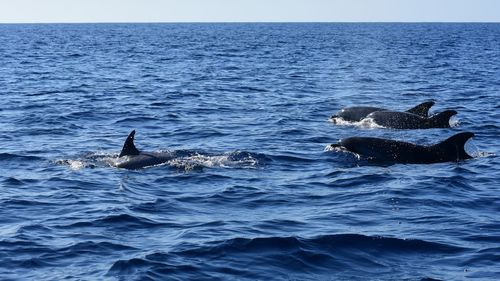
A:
x,y
253,193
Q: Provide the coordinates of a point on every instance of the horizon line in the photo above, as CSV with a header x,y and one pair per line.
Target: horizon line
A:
x,y
230,22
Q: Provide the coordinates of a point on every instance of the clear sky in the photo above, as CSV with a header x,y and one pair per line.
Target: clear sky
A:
x,y
42,11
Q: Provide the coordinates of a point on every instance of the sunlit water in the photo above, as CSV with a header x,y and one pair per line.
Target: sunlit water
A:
x,y
253,191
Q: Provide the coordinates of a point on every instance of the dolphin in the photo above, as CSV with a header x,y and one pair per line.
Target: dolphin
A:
x,y
132,158
357,113
405,120
451,149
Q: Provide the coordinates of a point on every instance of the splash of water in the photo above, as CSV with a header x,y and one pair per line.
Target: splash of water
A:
x,y
473,150
367,123
454,122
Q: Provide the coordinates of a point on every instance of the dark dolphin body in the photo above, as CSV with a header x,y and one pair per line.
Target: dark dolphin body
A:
x,y
357,113
136,159
405,120
452,149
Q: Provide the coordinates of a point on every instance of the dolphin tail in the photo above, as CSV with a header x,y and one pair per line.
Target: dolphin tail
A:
x,y
129,147
455,144
422,109
442,119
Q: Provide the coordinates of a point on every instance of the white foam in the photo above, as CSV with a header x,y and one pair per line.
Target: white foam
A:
x,y
91,160
369,123
340,121
364,123
471,149
210,161
115,161
334,148
72,164
454,121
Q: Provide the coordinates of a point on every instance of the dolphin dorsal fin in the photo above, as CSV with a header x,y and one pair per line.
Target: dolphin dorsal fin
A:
x,y
456,144
442,119
421,109
129,147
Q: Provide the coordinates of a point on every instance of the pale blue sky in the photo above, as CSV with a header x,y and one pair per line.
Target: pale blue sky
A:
x,y
29,11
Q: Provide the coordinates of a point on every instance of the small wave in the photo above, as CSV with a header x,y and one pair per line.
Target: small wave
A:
x,y
31,255
17,182
13,181
78,115
156,206
291,158
140,266
163,104
250,89
125,221
13,203
75,55
10,156
94,247
240,195
327,243
135,119
28,263
362,179
262,257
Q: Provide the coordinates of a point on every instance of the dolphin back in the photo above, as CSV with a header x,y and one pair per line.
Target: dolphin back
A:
x,y
383,149
422,109
145,160
398,120
452,149
355,113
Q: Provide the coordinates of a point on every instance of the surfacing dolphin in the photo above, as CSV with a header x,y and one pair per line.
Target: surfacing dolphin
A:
x,y
405,120
357,113
136,159
451,149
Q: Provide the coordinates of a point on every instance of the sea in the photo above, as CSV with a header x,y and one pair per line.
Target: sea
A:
x,y
254,192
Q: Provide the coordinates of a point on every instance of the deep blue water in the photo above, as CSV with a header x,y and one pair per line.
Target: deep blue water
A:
x,y
253,194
